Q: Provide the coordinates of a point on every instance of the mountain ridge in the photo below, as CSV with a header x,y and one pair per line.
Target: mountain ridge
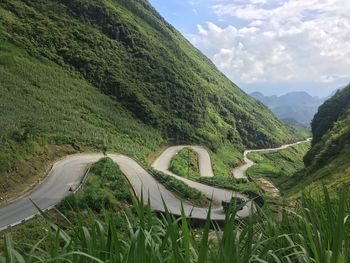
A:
x,y
327,162
294,108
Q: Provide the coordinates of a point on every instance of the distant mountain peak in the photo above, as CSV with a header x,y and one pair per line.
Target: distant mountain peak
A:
x,y
256,93
298,106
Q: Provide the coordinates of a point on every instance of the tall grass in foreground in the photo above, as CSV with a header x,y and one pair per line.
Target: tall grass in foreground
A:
x,y
316,231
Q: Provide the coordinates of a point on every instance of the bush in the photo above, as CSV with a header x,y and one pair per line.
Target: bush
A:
x,y
71,202
95,200
105,181
229,183
176,185
185,163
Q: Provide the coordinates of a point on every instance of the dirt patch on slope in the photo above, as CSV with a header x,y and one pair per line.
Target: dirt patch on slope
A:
x,y
268,187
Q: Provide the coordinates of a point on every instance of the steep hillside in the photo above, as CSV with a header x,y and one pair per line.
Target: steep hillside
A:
x,y
103,74
46,112
278,166
328,160
295,108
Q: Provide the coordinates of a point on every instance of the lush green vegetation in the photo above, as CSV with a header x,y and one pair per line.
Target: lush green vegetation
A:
x,y
180,188
317,231
126,50
42,105
328,160
225,158
185,163
333,110
278,166
112,75
335,174
105,194
330,129
238,185
105,188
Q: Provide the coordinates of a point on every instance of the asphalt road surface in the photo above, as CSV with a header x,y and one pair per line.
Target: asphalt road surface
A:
x,y
162,164
69,172
240,172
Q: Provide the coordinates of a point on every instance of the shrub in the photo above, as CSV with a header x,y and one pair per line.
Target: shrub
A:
x,y
176,185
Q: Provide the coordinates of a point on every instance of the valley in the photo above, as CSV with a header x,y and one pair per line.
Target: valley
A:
x,y
293,108
120,141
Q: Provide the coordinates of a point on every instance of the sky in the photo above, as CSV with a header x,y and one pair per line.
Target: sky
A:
x,y
271,46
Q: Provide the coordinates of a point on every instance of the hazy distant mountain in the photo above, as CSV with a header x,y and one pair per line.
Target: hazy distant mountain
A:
x,y
296,108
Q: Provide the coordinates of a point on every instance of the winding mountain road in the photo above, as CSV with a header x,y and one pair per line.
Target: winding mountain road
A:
x,y
240,172
68,173
162,164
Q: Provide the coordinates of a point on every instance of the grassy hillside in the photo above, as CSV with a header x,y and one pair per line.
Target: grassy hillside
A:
x,y
111,75
278,166
185,163
328,160
43,105
126,50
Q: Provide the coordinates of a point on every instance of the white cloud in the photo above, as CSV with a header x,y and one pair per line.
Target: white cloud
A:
x,y
289,40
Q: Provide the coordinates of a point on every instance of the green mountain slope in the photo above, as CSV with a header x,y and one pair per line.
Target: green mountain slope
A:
x,y
278,166
103,73
328,160
41,105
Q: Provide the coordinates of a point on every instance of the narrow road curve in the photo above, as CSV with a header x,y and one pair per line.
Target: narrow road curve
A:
x,y
68,173
162,164
240,172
